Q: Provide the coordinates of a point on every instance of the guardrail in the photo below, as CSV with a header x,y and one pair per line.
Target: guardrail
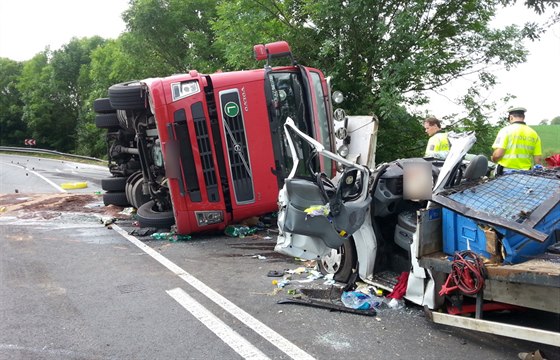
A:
x,y
45,151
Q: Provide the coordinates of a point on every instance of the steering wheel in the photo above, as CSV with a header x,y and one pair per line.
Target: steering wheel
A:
x,y
350,186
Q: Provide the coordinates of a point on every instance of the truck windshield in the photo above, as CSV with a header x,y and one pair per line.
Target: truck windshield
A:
x,y
286,97
322,118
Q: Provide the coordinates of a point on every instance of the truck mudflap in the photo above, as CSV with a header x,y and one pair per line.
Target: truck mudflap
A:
x,y
496,328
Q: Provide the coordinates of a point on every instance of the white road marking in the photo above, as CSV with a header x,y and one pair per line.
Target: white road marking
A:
x,y
217,326
270,335
40,176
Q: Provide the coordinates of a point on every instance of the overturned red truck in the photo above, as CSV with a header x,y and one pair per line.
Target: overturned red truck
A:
x,y
203,151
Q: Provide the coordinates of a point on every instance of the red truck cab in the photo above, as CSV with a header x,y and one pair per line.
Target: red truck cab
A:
x,y
221,139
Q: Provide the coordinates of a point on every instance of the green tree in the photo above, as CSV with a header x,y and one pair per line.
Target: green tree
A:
x,y
54,86
383,55
39,108
555,121
172,35
13,130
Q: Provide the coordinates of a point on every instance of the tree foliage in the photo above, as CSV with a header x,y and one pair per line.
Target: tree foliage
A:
x,y
384,55
12,128
54,86
175,34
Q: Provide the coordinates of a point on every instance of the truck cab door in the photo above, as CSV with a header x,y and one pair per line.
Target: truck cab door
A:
x,y
316,215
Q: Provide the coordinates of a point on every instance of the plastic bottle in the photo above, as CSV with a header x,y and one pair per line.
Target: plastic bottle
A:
x,y
161,236
239,231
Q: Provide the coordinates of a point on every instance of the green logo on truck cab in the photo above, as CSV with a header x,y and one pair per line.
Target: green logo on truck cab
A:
x,y
231,109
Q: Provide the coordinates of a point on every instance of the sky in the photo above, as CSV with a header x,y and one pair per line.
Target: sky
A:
x,y
535,83
29,26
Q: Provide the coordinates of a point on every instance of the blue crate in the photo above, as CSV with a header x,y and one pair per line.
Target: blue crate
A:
x,y
462,233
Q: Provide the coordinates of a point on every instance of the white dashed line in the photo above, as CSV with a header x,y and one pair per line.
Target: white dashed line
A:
x,y
217,326
267,333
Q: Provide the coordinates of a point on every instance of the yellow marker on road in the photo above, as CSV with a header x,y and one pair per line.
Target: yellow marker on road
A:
x,y
74,185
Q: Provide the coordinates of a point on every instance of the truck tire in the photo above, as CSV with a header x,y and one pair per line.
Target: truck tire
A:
x,y
138,196
113,184
341,262
107,121
128,96
128,187
148,217
102,106
125,122
115,198
134,192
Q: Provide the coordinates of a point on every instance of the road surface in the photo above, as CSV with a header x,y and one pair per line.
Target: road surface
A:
x,y
27,174
73,288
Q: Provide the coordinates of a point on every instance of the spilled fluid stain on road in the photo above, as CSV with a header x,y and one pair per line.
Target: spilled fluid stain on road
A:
x,y
57,209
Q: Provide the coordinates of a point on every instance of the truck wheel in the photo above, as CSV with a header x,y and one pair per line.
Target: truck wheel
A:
x,y
149,216
102,106
128,187
340,262
115,198
128,96
124,121
107,121
113,184
134,192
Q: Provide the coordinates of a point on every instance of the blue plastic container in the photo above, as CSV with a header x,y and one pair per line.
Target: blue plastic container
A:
x,y
462,233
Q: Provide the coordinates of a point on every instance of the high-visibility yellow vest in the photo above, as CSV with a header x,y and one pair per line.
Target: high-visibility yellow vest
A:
x,y
438,143
521,144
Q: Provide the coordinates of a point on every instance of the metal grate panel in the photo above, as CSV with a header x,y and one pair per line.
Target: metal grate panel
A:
x,y
238,151
512,196
205,152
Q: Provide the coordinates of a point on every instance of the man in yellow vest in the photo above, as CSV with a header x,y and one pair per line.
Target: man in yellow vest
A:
x,y
517,146
438,145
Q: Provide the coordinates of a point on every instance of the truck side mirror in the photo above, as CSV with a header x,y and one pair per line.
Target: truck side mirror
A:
x,y
275,50
260,52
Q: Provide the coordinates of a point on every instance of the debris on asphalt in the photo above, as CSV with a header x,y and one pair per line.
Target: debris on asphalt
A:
x,y
283,283
143,231
50,206
239,231
260,257
299,270
535,355
74,185
329,279
128,211
170,236
275,273
359,300
309,301
107,220
395,304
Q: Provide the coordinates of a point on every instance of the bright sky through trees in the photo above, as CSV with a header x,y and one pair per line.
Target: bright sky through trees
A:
x,y
28,26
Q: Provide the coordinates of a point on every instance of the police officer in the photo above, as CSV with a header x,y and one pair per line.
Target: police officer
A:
x,y
517,146
438,145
